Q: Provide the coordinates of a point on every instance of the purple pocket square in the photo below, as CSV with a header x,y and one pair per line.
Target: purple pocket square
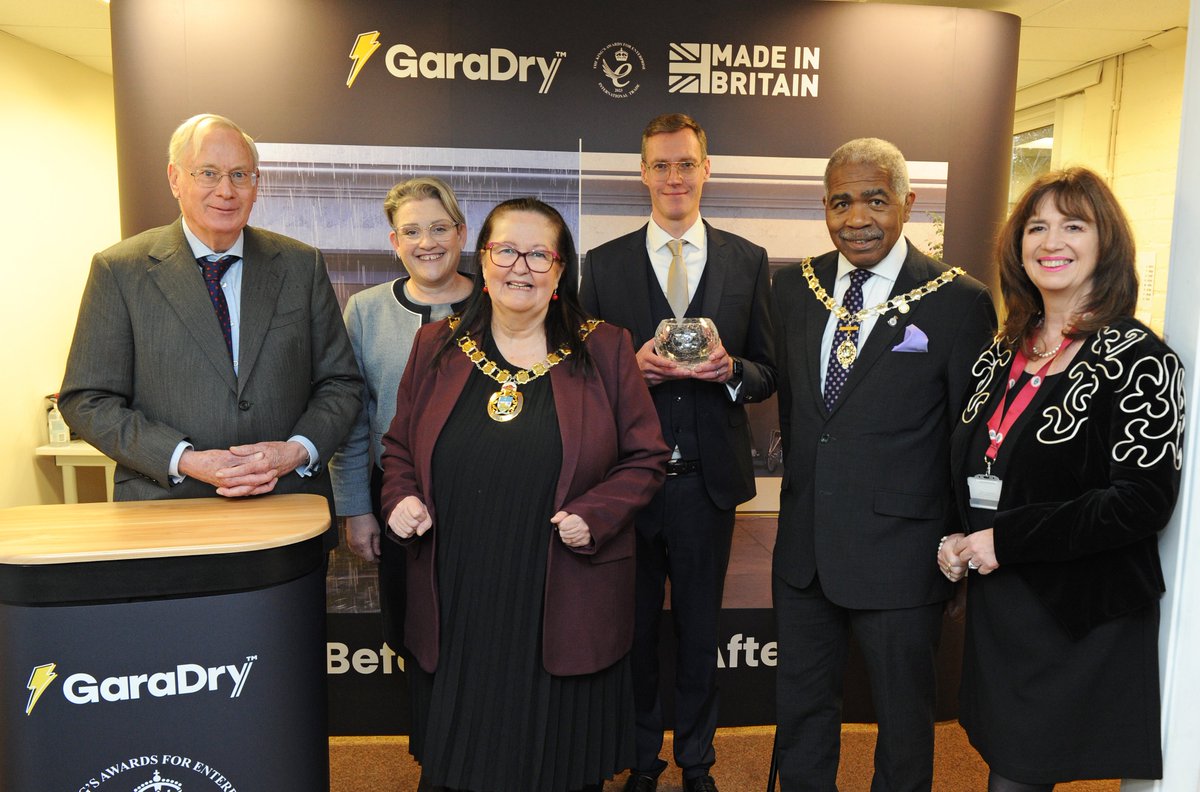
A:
x,y
915,340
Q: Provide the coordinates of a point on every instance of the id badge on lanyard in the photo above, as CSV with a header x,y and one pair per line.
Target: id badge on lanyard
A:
x,y
983,489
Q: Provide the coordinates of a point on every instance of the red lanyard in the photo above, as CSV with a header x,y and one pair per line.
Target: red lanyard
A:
x,y
1002,420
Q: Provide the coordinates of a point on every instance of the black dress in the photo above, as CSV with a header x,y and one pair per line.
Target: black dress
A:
x,y
1038,706
491,717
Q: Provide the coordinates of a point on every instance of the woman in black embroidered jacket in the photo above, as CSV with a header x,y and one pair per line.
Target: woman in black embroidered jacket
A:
x,y
1067,462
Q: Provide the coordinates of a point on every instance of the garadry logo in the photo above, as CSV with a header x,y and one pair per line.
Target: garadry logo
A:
x,y
498,64
364,47
39,680
614,62
184,679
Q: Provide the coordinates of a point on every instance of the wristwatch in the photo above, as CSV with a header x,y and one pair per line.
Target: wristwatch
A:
x,y
736,377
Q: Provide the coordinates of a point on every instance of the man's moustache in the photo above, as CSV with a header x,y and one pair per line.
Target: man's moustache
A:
x,y
860,236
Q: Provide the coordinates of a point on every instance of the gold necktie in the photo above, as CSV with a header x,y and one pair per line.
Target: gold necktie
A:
x,y
677,280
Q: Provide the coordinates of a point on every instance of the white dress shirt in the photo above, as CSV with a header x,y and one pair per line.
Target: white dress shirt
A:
x,y
695,253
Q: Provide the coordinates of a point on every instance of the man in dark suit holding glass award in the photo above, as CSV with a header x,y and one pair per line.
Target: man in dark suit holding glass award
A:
x,y
677,266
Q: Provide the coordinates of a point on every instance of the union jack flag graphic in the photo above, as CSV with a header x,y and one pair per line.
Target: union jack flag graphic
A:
x,y
689,68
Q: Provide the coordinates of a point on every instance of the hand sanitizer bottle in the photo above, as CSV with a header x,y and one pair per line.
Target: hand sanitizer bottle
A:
x,y
60,435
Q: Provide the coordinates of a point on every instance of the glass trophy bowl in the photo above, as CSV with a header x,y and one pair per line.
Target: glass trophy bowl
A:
x,y
687,342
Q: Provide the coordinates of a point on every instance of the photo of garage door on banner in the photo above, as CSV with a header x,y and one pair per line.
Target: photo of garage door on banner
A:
x,y
537,98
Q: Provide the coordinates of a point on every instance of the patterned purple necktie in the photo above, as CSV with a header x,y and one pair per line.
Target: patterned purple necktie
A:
x,y
835,373
213,272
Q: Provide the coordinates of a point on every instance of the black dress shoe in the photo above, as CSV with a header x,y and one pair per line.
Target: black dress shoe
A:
x,y
640,782
703,783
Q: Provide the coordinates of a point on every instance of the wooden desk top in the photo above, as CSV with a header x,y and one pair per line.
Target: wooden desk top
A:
x,y
84,532
79,448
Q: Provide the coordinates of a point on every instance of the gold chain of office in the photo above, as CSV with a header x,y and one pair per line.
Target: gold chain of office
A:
x,y
506,403
900,302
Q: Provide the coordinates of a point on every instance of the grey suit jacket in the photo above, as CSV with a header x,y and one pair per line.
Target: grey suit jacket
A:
x,y
866,489
148,366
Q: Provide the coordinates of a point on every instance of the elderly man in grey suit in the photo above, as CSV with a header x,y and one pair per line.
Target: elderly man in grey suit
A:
x,y
209,357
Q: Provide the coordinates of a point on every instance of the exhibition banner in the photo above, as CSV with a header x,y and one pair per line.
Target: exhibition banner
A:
x,y
503,99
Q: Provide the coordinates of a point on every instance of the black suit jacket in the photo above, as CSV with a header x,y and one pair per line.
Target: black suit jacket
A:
x,y
866,489
615,288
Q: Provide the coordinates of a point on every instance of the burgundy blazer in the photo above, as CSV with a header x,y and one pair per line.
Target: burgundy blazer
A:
x,y
613,462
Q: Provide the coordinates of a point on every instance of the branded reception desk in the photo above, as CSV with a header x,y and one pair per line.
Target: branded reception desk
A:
x,y
163,645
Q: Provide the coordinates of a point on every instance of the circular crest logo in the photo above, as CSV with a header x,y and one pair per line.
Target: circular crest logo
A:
x,y
159,784
620,67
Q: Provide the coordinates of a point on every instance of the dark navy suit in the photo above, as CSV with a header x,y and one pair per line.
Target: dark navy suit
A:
x,y
686,531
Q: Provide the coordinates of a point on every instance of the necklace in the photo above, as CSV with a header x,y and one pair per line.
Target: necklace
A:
x,y
1050,351
847,352
506,403
1042,355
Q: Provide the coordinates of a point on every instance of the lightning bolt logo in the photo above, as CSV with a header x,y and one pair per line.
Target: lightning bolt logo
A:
x,y
39,680
364,47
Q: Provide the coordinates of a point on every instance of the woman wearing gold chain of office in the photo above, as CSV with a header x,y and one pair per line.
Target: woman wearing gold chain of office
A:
x,y
524,442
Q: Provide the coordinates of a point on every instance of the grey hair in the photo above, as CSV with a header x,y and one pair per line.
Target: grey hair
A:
x,y
876,152
185,134
419,188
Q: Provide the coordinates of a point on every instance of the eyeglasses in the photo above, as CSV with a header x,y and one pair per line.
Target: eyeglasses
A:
x,y
505,255
439,232
662,170
207,177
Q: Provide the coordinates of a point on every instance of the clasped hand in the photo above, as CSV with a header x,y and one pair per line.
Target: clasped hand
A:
x,y
657,369
962,552
244,470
